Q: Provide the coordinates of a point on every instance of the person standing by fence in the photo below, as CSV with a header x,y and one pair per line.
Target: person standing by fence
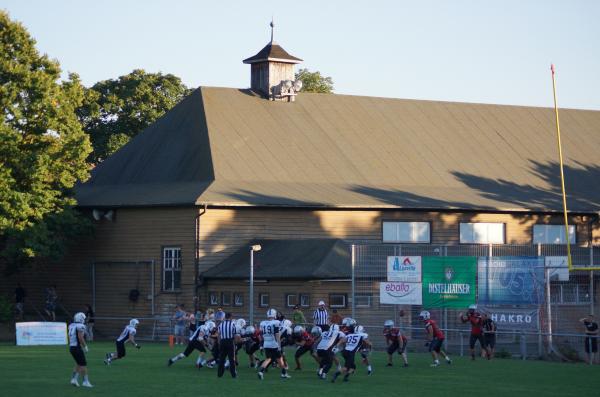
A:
x,y
89,322
51,298
225,337
591,340
179,317
20,296
321,317
298,317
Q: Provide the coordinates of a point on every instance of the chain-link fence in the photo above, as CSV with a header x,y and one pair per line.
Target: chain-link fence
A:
x,y
527,290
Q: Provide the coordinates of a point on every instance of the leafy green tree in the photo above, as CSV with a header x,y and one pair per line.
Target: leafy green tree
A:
x,y
314,82
43,150
116,110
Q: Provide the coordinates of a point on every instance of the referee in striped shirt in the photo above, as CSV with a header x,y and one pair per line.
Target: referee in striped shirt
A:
x,y
320,317
225,337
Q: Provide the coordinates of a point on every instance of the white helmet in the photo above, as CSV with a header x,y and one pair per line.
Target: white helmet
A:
x,y
79,317
134,322
334,328
298,329
360,329
250,330
210,325
316,331
286,324
349,322
388,324
473,307
425,315
271,313
240,323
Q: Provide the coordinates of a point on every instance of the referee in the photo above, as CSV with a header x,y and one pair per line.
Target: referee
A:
x,y
225,339
321,318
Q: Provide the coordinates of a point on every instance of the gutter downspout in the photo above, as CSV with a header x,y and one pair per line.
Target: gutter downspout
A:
x,y
197,255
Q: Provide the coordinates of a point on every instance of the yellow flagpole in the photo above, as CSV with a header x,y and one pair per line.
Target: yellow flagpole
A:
x,y
562,173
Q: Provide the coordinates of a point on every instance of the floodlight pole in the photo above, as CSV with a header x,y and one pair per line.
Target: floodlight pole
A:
x,y
252,249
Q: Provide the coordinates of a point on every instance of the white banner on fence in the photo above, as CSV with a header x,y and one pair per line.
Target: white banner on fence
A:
x,y
404,268
559,267
400,293
41,333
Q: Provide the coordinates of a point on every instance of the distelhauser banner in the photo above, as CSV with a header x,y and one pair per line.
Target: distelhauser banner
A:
x,y
449,281
404,268
511,280
400,293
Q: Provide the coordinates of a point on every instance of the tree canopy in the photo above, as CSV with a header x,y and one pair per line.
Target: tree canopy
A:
x,y
314,82
116,110
43,150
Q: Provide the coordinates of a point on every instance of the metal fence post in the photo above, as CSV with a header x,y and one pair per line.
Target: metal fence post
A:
x,y
462,347
353,282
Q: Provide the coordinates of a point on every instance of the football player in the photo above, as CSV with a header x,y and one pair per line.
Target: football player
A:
x,y
365,351
350,344
271,335
325,349
304,343
489,335
210,337
252,341
476,321
395,341
196,342
77,348
128,335
435,338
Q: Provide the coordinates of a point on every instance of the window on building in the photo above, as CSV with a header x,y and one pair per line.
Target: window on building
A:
x,y
482,233
238,299
406,232
263,300
570,293
226,298
213,298
337,300
363,300
291,300
171,268
305,300
553,234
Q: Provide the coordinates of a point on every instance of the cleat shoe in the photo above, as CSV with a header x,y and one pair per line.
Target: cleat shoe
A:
x,y
448,361
298,369
320,371
335,375
260,375
87,384
406,365
323,376
434,365
369,373
389,365
169,363
74,382
285,376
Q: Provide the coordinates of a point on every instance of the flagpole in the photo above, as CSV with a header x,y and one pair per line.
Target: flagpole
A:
x,y
562,173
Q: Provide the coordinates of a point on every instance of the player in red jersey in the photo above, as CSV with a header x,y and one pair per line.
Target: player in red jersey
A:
x,y
474,317
305,342
435,338
395,341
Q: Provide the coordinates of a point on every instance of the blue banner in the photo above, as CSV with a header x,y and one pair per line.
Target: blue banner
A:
x,y
510,280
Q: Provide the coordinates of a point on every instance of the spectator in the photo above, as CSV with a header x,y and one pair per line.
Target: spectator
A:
x,y
51,298
20,295
320,317
219,315
591,340
200,317
89,322
298,317
179,318
336,318
210,315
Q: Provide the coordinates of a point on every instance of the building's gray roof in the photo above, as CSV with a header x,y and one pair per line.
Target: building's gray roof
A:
x,y
228,147
287,259
272,52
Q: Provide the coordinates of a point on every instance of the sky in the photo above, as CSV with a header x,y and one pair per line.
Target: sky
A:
x,y
463,51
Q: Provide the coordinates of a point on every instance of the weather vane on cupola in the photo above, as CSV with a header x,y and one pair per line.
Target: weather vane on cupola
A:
x,y
272,29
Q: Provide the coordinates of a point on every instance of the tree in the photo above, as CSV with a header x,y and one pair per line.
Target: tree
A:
x,y
117,110
314,82
43,151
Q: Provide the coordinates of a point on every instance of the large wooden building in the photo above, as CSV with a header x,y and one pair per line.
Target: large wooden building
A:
x,y
178,207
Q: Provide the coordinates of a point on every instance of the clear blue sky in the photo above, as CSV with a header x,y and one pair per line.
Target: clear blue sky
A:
x,y
468,51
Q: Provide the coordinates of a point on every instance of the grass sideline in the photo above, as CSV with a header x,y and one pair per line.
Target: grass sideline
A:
x,y
45,370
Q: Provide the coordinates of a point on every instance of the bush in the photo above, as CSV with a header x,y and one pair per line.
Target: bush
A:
x,y
6,309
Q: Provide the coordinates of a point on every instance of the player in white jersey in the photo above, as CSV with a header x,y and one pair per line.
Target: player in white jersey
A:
x,y
325,349
196,342
128,335
77,348
271,336
351,343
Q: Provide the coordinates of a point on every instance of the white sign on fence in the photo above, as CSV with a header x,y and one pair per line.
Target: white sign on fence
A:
x,y
41,333
559,267
401,293
404,268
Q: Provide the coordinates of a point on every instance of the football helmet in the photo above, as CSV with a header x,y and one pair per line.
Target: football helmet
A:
x,y
349,322
271,313
316,331
298,330
472,308
425,315
388,324
134,322
240,323
79,317
250,330
210,325
286,324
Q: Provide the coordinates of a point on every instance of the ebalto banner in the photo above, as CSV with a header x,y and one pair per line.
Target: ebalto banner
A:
x,y
449,281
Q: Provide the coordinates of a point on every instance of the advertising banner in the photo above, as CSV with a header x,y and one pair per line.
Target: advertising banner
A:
x,y
404,268
511,280
514,319
41,333
558,266
400,293
449,281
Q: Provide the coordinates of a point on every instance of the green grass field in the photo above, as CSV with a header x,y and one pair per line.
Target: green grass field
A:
x,y
35,371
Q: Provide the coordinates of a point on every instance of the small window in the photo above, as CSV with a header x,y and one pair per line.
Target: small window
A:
x,y
263,300
337,300
406,232
213,298
363,300
238,299
305,300
482,233
291,300
171,269
226,298
553,234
